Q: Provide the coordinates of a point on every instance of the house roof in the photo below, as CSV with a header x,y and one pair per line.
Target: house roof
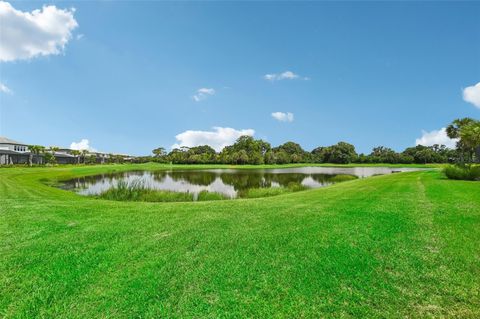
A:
x,y
4,140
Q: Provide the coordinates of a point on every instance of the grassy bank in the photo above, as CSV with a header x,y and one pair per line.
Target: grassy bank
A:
x,y
402,245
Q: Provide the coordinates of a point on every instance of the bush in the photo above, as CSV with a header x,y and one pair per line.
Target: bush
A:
x,y
467,173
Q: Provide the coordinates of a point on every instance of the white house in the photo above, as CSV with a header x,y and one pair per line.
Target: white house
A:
x,y
13,152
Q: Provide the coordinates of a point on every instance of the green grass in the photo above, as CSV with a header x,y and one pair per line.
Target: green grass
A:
x,y
395,246
270,191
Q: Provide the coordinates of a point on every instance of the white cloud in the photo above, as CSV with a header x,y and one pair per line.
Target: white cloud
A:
x,y
436,137
471,94
5,89
217,139
29,34
84,144
287,75
283,117
202,94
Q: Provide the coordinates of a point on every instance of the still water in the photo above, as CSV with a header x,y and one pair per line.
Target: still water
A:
x,y
229,182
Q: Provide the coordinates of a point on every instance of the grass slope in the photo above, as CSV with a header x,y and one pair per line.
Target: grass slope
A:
x,y
403,245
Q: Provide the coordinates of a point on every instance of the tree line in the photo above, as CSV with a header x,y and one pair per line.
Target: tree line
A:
x,y
248,150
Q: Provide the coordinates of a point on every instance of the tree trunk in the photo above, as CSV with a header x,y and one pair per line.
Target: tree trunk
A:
x,y
477,154
30,159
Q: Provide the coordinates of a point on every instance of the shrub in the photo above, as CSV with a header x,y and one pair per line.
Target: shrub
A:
x,y
468,172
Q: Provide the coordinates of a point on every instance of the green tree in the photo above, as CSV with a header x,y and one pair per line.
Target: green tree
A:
x,y
76,153
246,150
293,151
382,154
454,132
35,151
470,137
84,155
50,158
50,155
428,154
340,153
159,152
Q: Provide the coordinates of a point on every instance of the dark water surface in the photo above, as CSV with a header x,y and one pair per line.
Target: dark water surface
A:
x,y
229,182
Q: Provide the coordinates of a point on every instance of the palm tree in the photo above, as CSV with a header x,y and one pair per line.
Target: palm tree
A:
x,y
76,153
41,150
34,150
84,155
51,157
453,132
470,137
53,149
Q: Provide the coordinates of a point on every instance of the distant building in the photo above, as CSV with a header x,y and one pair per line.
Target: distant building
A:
x,y
13,152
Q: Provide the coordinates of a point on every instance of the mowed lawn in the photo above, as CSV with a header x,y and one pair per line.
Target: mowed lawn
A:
x,y
396,246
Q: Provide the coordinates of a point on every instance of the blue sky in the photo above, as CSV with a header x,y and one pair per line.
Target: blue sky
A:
x,y
126,75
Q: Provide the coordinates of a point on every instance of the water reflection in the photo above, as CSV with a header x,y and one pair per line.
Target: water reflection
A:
x,y
229,182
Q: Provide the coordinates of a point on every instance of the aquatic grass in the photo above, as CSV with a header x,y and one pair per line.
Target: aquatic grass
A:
x,y
137,191
262,192
270,191
206,196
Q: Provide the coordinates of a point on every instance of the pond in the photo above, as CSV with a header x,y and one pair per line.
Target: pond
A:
x,y
227,183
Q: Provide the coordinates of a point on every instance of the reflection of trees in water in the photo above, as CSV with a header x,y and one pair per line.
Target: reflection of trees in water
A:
x,y
159,176
200,178
329,179
244,180
240,180
85,181
285,179
322,178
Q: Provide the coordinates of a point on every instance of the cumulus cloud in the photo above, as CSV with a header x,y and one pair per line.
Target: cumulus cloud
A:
x,y
202,94
29,34
283,117
287,75
471,94
436,137
84,144
218,138
5,89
